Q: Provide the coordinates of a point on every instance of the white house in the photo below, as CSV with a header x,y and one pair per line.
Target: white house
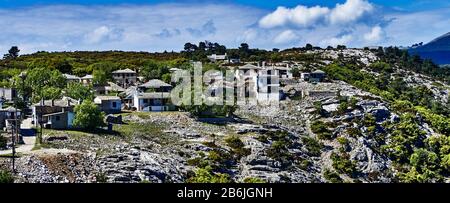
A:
x,y
260,82
125,78
216,57
154,101
109,104
87,79
72,78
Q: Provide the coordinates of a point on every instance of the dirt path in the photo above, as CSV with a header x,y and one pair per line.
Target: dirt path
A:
x,y
27,147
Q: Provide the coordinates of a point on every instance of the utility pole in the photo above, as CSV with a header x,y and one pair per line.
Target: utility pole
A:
x,y
13,137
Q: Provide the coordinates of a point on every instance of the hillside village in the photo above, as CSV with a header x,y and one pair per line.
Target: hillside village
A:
x,y
343,115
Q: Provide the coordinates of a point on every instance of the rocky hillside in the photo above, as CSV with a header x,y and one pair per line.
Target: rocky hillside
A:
x,y
371,121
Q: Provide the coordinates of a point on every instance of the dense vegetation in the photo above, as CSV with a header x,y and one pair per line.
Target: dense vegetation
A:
x,y
407,144
6,177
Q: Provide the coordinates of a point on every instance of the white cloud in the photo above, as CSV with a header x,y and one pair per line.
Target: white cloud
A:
x,y
285,37
102,33
303,16
334,41
350,11
300,16
375,35
123,27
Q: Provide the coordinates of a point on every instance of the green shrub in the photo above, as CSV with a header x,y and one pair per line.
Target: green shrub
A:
x,y
3,142
354,132
101,178
313,146
6,177
332,176
342,164
234,142
321,129
88,116
253,180
206,175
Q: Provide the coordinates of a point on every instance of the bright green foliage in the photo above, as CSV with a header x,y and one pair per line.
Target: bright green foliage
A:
x,y
206,175
253,180
423,159
438,122
43,82
88,116
79,91
100,77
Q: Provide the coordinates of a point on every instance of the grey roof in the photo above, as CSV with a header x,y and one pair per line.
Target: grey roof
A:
x,y
9,109
53,114
155,84
71,77
88,77
124,71
114,87
318,72
60,102
104,98
154,95
249,66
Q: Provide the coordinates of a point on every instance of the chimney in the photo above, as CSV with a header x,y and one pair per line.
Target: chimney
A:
x,y
68,102
53,102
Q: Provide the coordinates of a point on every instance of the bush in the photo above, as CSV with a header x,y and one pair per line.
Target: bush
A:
x,y
332,176
422,159
238,146
3,142
88,116
321,130
206,175
101,178
342,164
313,146
6,177
234,142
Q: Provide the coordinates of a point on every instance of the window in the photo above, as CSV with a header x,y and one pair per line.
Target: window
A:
x,y
58,118
114,104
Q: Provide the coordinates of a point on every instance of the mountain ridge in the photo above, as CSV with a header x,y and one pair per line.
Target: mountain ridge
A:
x,y
438,50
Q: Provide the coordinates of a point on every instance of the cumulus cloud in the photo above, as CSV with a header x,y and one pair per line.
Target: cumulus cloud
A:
x,y
102,33
159,27
285,37
300,16
303,16
375,35
123,27
334,41
350,11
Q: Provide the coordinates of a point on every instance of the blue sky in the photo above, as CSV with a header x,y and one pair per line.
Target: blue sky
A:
x,y
411,5
156,25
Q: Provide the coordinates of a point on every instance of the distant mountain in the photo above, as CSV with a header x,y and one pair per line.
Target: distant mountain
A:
x,y
437,50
